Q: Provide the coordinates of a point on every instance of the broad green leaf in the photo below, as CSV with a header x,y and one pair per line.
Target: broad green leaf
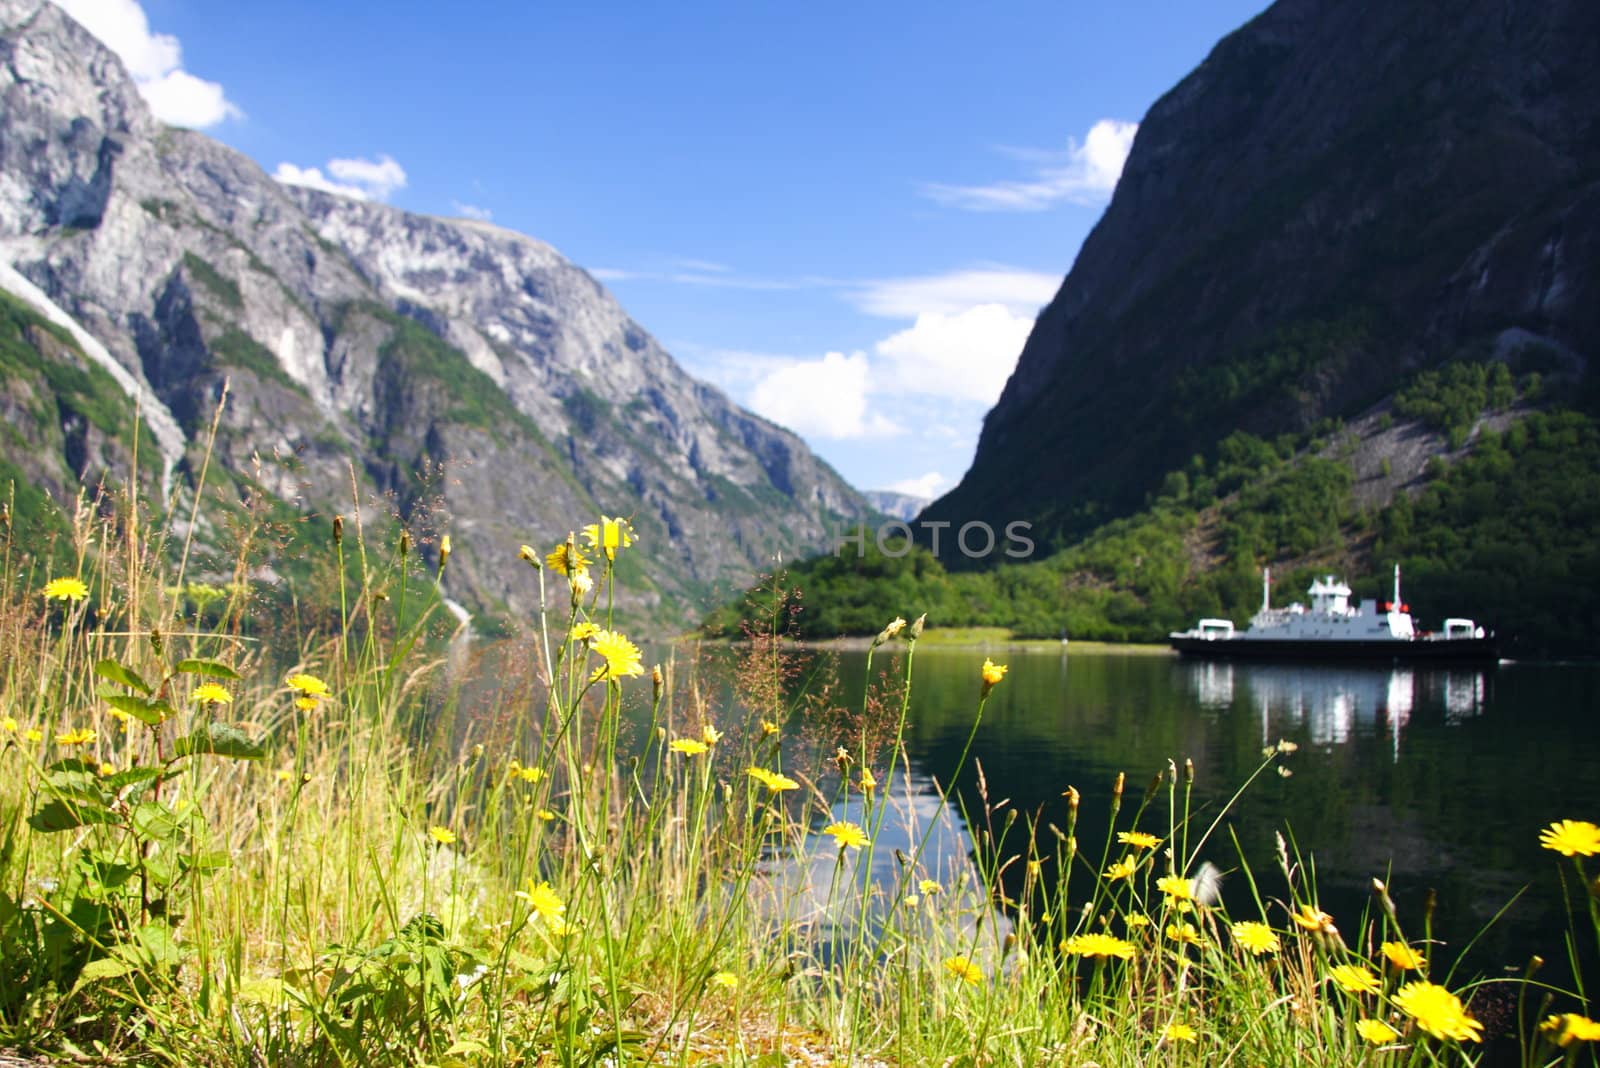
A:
x,y
62,815
117,672
104,968
216,669
220,739
147,710
131,777
157,822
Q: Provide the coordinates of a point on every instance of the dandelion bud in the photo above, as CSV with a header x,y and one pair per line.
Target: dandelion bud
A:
x,y
338,529
1116,787
444,552
1429,904
1386,902
405,543
889,632
661,734
1073,798
657,684
1535,962
841,757
916,628
156,642
527,553
1188,772
1155,784
477,753
869,782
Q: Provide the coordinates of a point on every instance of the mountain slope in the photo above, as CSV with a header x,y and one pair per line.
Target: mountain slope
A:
x,y
466,378
1340,195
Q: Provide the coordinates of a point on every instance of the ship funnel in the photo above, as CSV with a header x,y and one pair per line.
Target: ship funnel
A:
x,y
1397,586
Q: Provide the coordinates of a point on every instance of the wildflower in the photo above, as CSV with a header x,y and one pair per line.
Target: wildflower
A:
x,y
1138,839
581,585
9,724
772,780
33,734
992,674
442,835
1354,979
841,757
895,627
1098,945
1569,1028
688,746
846,834
1185,933
1122,869
621,656
107,770
609,535
963,969
726,980
81,736
768,727
1312,918
284,774
65,589
545,814
1135,920
710,735
1180,1032
1286,746
568,561
1438,1012
543,900
869,782
1376,1031
210,693
529,554
1176,887
1403,956
1572,838
583,632
929,887
1256,937
517,771
307,685
912,901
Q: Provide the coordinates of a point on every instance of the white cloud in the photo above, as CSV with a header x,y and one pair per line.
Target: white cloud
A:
x,y
1085,174
359,179
966,356
471,211
826,398
611,274
1020,292
155,60
927,486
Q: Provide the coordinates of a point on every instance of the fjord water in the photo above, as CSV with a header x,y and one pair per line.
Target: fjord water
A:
x,y
1432,779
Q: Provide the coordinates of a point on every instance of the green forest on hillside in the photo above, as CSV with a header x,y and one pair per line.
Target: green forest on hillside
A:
x,y
1503,534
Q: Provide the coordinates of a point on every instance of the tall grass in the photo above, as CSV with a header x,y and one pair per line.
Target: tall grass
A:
x,y
210,856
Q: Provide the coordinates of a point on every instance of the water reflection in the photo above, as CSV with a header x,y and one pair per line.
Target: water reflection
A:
x,y
1332,705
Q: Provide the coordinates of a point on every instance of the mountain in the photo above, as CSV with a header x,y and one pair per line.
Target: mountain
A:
x,y
896,505
1341,196
464,378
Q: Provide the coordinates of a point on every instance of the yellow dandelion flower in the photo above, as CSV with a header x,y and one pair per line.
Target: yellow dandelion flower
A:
x,y
710,735
688,746
1255,937
65,589
442,835
545,814
9,724
1138,839
768,727
963,969
284,774
846,834
1571,838
569,565
929,887
773,781
609,535
1376,1031
1185,933
1098,945
543,900
583,632
622,657
1176,887
306,704
1122,869
1354,979
33,734
1403,956
517,771
1180,1032
210,693
107,770
307,685
912,901
869,781
81,736
1312,918
1438,1012
991,673
1135,920
726,980
1569,1028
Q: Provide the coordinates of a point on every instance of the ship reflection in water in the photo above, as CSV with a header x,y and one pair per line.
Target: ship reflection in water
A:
x,y
1332,704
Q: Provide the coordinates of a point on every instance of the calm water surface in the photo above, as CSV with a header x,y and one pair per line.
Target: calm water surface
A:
x,y
1431,779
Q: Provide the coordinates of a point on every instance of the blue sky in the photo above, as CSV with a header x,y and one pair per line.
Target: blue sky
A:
x,y
845,215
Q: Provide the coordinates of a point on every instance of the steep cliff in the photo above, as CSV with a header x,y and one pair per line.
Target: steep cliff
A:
x,y
1341,194
465,377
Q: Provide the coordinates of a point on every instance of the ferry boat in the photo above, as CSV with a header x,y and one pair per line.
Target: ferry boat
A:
x,y
1332,629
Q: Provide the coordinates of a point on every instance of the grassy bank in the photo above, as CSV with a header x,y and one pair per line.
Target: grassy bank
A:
x,y
208,857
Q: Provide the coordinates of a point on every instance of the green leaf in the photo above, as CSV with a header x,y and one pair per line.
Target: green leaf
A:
x,y
216,669
220,739
65,815
147,710
131,777
104,968
157,822
116,672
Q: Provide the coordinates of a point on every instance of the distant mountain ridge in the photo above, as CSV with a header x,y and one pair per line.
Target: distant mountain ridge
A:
x,y
1340,195
454,369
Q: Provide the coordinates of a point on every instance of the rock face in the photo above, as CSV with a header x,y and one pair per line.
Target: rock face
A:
x,y
1339,195
474,379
